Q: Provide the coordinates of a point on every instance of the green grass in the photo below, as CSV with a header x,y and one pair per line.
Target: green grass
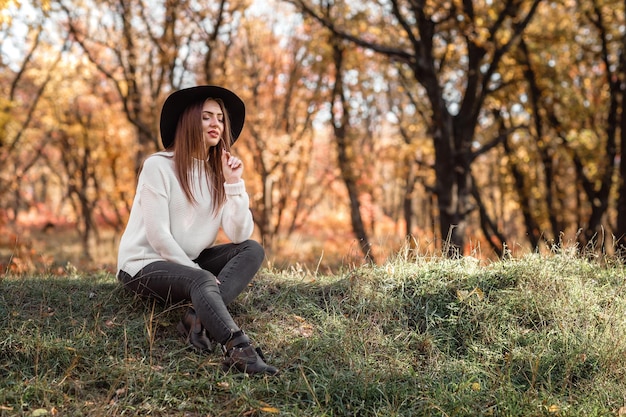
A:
x,y
537,336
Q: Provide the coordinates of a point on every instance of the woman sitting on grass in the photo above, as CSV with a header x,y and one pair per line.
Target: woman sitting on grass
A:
x,y
184,195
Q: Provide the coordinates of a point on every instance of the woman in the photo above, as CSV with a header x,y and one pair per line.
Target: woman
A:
x,y
184,195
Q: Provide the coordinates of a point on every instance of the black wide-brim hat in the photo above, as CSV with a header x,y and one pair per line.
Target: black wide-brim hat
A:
x,y
179,100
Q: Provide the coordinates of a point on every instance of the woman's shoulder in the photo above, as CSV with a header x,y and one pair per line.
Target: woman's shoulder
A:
x,y
163,158
168,155
160,164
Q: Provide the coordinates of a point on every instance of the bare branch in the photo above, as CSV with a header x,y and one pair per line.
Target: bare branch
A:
x,y
393,53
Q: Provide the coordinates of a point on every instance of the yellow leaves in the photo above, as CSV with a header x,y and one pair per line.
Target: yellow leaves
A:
x,y
470,385
39,412
264,407
584,140
6,3
223,385
271,410
7,7
363,26
481,36
47,312
467,296
5,19
305,329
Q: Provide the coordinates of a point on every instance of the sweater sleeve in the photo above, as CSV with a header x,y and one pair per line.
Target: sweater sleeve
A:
x,y
155,212
237,221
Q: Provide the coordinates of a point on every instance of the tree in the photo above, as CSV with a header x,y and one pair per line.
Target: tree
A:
x,y
575,126
148,50
24,77
597,186
282,92
88,167
414,162
454,51
340,120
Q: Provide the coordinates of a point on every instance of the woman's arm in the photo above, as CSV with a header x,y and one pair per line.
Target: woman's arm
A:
x,y
237,220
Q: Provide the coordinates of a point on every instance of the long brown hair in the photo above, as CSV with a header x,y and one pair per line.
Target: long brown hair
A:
x,y
190,153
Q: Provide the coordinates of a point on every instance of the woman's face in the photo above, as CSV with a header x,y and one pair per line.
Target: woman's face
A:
x,y
212,123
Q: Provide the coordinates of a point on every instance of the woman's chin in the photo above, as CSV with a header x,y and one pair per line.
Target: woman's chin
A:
x,y
210,143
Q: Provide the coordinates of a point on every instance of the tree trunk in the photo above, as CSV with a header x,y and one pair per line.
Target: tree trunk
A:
x,y
453,182
620,231
407,204
340,121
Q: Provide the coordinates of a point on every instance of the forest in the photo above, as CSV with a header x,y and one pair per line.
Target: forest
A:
x,y
459,127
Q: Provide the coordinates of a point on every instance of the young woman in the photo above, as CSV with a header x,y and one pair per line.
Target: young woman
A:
x,y
184,195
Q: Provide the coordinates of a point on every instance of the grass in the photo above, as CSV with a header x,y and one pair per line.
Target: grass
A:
x,y
536,336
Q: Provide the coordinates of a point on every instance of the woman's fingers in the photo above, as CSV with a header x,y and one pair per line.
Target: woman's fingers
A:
x,y
230,160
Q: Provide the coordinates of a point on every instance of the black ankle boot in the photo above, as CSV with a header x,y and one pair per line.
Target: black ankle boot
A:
x,y
241,355
194,332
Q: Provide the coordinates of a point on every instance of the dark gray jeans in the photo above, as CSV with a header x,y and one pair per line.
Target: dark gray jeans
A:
x,y
233,265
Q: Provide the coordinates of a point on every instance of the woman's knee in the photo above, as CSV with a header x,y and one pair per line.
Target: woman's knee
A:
x,y
255,250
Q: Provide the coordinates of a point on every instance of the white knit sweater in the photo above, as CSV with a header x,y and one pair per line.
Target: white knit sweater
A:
x,y
164,225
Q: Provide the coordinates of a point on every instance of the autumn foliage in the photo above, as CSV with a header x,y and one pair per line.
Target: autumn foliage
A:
x,y
474,127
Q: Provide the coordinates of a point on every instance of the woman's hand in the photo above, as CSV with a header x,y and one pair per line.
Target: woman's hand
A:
x,y
232,167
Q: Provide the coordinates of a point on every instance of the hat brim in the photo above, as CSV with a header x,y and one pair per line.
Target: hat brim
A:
x,y
178,101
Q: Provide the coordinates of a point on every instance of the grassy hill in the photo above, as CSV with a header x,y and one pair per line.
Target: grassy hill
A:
x,y
537,336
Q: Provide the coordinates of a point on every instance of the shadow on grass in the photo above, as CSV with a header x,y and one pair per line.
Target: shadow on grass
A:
x,y
79,343
83,345
430,341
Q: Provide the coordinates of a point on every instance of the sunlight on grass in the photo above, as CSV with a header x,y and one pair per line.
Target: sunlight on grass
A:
x,y
534,336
